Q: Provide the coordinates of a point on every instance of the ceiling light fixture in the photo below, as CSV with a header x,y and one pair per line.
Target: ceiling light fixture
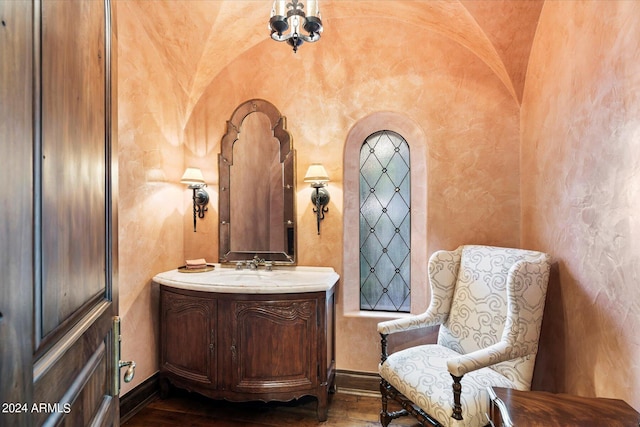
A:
x,y
294,10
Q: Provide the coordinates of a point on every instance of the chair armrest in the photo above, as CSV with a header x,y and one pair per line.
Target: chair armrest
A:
x,y
496,353
460,365
408,323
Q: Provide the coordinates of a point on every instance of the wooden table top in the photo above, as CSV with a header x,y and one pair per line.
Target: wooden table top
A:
x,y
539,408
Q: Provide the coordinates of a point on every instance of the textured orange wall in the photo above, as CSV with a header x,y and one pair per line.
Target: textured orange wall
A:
x,y
470,120
456,68
151,202
184,69
581,193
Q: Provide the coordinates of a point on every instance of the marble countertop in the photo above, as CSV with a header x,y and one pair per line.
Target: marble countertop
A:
x,y
228,280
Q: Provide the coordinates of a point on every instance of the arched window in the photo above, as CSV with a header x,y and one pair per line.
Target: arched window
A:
x,y
397,127
385,223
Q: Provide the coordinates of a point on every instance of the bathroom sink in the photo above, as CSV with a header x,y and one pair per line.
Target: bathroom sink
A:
x,y
279,280
260,278
248,274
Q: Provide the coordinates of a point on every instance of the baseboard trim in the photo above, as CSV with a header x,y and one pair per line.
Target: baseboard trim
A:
x,y
347,382
139,397
358,383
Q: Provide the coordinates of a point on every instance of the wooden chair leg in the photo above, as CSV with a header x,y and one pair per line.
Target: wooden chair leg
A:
x,y
385,417
457,391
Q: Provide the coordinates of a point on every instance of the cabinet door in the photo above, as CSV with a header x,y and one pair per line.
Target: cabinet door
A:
x,y
274,345
188,338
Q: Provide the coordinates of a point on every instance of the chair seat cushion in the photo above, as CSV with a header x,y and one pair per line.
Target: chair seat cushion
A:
x,y
420,374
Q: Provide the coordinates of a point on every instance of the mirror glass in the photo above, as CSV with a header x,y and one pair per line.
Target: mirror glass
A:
x,y
257,186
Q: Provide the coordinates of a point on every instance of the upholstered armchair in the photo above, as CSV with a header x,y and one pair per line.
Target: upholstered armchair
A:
x,y
488,302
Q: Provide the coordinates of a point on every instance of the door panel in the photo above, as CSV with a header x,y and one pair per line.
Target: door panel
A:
x,y
58,231
73,160
74,311
16,210
75,374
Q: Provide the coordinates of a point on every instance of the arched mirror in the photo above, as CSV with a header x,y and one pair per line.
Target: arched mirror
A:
x,y
257,215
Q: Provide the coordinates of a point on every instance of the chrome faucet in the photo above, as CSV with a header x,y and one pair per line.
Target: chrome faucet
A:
x,y
253,264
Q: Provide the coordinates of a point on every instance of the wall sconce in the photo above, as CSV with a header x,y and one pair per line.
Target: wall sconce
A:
x,y
193,177
317,176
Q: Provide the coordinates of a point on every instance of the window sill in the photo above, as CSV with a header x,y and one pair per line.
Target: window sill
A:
x,y
381,315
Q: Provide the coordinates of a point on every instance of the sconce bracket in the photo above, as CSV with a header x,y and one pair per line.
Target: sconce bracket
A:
x,y
320,199
200,201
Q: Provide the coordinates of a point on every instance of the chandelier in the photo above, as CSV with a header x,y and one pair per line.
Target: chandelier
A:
x,y
289,15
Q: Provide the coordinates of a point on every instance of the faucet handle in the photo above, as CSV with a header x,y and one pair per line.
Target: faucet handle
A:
x,y
268,265
239,265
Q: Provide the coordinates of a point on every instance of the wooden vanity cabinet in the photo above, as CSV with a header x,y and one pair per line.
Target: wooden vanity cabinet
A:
x,y
247,347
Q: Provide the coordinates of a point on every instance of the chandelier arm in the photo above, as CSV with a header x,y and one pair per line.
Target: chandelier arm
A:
x,y
284,37
280,37
311,39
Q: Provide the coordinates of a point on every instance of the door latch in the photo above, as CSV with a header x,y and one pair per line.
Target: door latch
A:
x,y
131,370
119,364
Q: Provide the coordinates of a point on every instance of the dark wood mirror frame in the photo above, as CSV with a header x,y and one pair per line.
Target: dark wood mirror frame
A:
x,y
233,252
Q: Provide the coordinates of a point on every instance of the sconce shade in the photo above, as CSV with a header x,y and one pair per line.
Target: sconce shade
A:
x,y
316,174
192,176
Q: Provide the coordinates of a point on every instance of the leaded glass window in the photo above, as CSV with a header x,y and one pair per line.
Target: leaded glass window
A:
x,y
385,223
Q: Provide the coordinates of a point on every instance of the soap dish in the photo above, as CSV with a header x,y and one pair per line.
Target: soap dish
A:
x,y
184,269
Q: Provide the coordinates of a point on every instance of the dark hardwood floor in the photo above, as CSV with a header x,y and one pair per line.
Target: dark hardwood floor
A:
x,y
190,409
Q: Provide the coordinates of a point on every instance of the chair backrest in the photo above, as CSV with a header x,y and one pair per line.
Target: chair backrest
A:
x,y
480,307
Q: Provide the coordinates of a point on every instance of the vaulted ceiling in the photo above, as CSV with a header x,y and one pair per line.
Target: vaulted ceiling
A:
x,y
199,38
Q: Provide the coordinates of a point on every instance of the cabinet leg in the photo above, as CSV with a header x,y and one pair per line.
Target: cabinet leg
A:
x,y
165,388
323,407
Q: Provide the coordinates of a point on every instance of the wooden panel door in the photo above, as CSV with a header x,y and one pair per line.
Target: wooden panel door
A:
x,y
58,357
75,299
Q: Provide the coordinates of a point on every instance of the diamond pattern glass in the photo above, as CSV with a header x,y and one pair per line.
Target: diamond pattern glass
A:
x,y
385,223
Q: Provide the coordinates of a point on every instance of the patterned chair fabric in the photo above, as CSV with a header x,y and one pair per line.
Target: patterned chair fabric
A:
x,y
489,303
